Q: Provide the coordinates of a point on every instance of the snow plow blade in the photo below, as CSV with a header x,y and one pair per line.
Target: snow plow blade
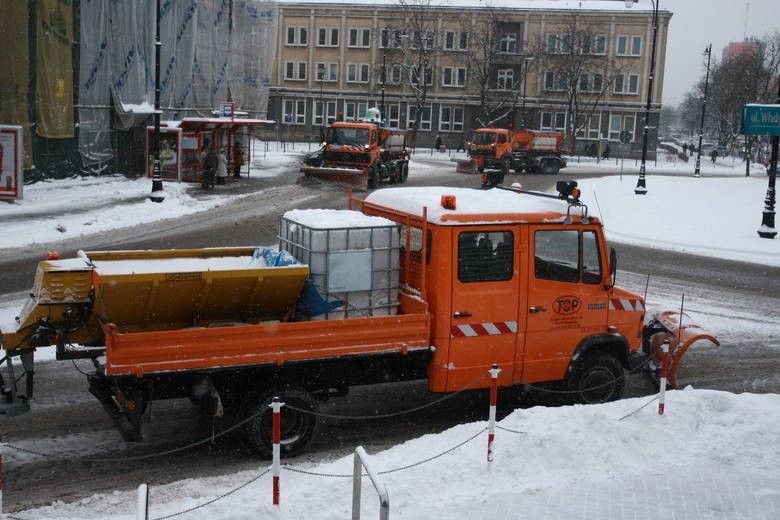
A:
x,y
350,178
464,165
681,333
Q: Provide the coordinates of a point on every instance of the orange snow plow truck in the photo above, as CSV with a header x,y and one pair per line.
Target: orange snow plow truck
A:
x,y
360,154
410,283
496,151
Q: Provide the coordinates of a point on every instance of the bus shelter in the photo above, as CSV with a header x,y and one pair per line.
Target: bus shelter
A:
x,y
181,144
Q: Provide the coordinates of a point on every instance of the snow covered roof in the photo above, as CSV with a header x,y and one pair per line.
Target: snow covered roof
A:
x,y
472,205
335,219
547,5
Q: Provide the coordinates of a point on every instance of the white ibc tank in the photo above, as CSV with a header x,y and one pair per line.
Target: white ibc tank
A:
x,y
352,257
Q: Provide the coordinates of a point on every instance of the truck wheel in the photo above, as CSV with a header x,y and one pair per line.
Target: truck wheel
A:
x,y
599,379
506,164
550,167
404,172
375,175
296,428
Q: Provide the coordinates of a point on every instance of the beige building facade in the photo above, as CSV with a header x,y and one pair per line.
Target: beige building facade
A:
x,y
577,67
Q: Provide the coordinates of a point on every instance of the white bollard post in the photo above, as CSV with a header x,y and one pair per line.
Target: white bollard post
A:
x,y
276,465
492,415
664,364
142,510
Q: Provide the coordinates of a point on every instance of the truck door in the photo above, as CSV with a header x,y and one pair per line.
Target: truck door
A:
x,y
567,300
483,328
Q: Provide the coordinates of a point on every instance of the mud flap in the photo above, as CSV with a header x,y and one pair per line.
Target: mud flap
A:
x,y
681,332
349,178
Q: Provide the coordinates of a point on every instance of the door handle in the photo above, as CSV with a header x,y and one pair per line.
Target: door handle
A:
x,y
534,310
462,315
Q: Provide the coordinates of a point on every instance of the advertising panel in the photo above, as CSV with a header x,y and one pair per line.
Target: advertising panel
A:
x,y
11,172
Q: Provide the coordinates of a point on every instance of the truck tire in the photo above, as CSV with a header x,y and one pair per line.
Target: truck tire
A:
x,y
550,167
599,379
404,172
506,164
298,421
375,175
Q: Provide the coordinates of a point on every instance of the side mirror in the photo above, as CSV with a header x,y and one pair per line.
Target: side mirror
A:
x,y
612,268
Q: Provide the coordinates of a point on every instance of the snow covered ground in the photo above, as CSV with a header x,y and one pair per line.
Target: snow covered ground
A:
x,y
712,455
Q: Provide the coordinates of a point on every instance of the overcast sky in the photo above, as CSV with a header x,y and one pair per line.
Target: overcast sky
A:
x,y
696,23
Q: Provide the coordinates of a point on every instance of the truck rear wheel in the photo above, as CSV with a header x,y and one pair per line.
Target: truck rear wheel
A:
x,y
550,167
404,172
297,424
599,379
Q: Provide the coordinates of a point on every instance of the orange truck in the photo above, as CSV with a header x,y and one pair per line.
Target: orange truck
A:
x,y
496,151
466,279
360,154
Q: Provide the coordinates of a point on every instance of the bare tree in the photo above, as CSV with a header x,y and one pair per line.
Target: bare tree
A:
x,y
575,66
498,64
747,78
414,49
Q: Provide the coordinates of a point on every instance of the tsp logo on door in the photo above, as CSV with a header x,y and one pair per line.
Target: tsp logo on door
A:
x,y
567,305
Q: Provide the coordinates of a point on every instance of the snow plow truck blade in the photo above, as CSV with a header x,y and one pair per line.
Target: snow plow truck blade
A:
x,y
348,178
681,334
464,165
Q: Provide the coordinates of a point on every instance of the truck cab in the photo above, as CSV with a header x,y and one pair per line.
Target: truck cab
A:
x,y
520,282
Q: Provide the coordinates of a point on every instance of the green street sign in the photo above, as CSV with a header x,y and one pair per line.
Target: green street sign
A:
x,y
761,119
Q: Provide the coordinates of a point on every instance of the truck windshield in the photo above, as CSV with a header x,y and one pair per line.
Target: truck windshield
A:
x,y
484,138
347,136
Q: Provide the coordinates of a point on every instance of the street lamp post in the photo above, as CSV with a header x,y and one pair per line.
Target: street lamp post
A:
x,y
157,185
321,78
526,60
767,229
383,74
708,52
641,186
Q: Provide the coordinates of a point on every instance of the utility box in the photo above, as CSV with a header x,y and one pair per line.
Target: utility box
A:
x,y
352,257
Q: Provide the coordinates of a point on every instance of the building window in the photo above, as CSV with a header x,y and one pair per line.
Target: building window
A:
x,y
360,37
618,123
394,115
428,76
594,127
594,44
629,45
598,82
450,119
327,72
584,85
505,79
453,77
456,40
549,80
508,43
425,117
552,43
357,72
330,112
297,36
295,70
327,37
626,84
423,39
553,121
295,111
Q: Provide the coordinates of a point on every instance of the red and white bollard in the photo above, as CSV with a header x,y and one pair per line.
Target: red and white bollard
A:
x,y
276,465
664,365
492,416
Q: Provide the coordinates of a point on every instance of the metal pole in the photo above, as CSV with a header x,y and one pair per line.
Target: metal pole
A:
x,y
767,229
157,185
697,171
641,185
525,81
386,38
